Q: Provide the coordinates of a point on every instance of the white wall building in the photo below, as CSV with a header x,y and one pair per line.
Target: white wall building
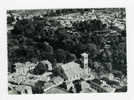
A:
x,y
85,62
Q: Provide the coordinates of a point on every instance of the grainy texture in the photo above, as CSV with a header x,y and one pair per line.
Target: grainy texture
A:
x,y
67,51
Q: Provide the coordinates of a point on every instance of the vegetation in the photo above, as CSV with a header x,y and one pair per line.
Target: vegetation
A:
x,y
46,38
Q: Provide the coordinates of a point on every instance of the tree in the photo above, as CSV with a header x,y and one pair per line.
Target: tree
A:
x,y
40,69
47,48
70,57
92,50
60,55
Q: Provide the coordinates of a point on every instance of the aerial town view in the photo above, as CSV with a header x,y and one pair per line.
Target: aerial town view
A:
x,y
58,51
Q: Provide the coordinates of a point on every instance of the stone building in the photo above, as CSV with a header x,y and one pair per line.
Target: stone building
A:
x,y
85,63
70,71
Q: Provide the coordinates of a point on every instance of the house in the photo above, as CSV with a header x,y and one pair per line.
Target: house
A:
x,y
19,89
57,80
56,90
70,87
26,90
19,67
48,86
23,69
86,88
30,66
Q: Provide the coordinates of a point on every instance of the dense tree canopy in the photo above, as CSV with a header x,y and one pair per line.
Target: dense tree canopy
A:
x,y
44,38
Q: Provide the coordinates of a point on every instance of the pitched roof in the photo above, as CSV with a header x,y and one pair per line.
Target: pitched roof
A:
x,y
56,90
84,54
71,69
58,80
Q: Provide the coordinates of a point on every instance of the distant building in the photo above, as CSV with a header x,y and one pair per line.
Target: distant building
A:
x,y
58,80
19,89
70,71
56,90
30,66
48,86
96,86
27,90
21,69
86,87
85,62
107,87
100,86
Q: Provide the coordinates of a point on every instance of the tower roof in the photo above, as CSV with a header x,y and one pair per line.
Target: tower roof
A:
x,y
84,54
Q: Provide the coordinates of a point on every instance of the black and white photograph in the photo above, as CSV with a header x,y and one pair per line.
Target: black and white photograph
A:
x,y
67,51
